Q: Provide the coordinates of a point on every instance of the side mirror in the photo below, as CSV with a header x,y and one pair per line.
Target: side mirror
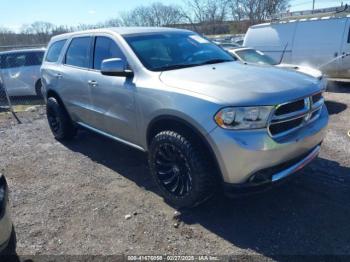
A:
x,y
115,67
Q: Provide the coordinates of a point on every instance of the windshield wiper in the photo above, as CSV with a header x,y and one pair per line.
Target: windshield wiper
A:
x,y
215,61
179,66
171,67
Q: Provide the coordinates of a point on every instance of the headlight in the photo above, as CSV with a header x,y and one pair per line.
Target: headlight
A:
x,y
243,117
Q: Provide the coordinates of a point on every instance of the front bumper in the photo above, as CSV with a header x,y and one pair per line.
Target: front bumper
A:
x,y
265,179
5,221
243,154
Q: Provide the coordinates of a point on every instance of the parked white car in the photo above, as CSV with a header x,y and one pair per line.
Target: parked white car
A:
x,y
319,42
20,71
250,55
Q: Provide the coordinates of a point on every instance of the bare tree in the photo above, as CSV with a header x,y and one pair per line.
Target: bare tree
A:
x,y
39,33
5,34
4,30
57,30
156,14
236,10
116,22
275,7
41,30
209,14
256,10
205,16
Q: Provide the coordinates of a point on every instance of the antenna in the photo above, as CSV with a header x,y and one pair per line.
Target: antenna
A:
x,y
284,51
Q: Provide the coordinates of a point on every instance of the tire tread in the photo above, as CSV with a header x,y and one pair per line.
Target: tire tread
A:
x,y
68,130
199,161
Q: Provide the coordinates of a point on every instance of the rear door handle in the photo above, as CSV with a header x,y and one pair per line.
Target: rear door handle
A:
x,y
92,83
59,76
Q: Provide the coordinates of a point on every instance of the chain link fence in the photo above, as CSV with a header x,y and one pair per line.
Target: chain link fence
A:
x,y
20,83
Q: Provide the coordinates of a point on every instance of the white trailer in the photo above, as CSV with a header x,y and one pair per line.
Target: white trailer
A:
x,y
320,42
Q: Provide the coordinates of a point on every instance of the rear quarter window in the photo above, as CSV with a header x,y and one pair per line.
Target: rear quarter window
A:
x,y
54,51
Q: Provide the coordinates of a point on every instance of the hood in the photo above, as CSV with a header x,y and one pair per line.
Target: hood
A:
x,y
235,83
303,69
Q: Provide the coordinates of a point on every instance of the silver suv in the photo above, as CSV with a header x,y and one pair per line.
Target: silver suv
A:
x,y
204,119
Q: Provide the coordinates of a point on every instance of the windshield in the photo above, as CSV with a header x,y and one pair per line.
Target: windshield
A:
x,y
255,56
167,51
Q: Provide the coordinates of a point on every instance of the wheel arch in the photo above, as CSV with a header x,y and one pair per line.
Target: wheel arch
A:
x,y
53,93
169,122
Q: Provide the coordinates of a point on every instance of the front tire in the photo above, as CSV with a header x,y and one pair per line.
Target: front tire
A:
x,y
182,170
59,121
10,250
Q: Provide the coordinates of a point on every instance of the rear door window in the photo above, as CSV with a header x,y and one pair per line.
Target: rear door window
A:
x,y
22,59
78,53
105,48
54,51
14,60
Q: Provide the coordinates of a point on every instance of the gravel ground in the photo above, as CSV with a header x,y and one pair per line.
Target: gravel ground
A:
x,y
73,199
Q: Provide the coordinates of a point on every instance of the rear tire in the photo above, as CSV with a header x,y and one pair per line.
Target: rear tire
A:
x,y
60,123
181,169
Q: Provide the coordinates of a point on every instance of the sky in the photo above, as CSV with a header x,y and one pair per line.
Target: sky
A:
x,y
15,13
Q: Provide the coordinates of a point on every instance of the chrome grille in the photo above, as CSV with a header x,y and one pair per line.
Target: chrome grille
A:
x,y
290,108
290,116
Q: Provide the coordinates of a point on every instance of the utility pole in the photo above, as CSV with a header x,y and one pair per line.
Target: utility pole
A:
x,y
313,5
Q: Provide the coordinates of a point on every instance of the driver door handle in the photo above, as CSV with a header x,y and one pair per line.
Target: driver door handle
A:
x,y
92,83
59,76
